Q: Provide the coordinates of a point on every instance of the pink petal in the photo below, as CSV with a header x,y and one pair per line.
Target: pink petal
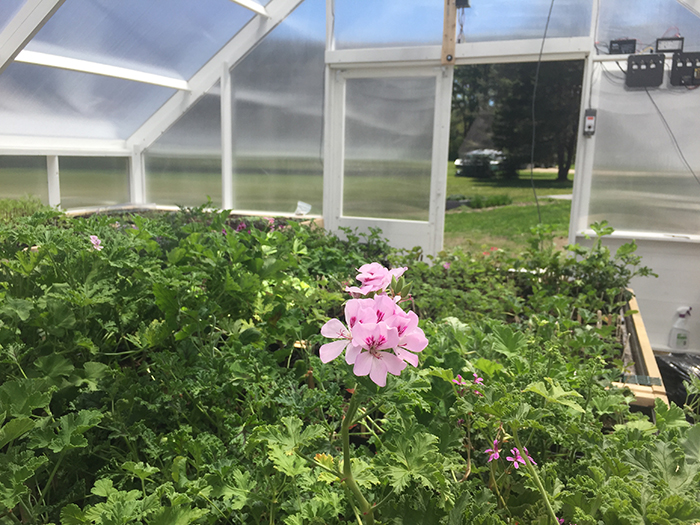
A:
x,y
393,364
414,341
351,353
378,372
363,364
384,308
334,329
407,356
330,351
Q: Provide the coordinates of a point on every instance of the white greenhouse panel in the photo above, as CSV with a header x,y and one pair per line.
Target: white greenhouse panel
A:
x,y
640,182
49,102
173,38
8,9
183,167
22,176
646,21
277,124
388,147
93,181
394,23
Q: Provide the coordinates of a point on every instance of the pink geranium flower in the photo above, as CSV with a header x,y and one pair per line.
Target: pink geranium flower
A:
x,y
517,459
96,243
374,278
379,339
493,452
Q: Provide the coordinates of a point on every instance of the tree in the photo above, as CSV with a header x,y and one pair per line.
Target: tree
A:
x,y
556,113
472,92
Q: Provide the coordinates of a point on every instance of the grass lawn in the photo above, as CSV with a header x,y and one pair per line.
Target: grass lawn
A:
x,y
506,227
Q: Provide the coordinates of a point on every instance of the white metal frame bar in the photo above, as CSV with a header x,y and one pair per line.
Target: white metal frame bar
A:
x,y
585,147
235,50
253,6
226,98
52,171
42,146
24,25
96,68
574,48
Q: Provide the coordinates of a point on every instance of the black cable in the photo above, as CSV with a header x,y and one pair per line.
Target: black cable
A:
x,y
673,137
534,124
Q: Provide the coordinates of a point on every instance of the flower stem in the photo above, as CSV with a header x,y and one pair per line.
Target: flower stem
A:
x,y
365,507
533,472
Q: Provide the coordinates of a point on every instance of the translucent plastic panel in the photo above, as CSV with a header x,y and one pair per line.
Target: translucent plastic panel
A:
x,y
8,9
183,166
43,101
646,21
508,20
640,182
173,37
367,23
93,181
388,147
23,176
278,116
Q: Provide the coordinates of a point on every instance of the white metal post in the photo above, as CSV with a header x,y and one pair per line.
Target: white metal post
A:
x,y
137,177
226,139
53,181
585,146
441,146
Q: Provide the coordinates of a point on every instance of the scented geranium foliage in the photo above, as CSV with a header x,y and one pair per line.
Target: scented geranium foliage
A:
x,y
379,338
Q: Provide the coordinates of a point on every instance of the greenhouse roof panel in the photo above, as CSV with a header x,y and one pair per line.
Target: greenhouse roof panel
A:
x,y
49,102
8,9
173,38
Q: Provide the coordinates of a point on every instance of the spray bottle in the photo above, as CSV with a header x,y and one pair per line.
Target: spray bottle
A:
x,y
679,337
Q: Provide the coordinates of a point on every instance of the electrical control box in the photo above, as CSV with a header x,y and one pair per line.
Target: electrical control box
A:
x,y
627,46
685,69
669,45
645,70
589,122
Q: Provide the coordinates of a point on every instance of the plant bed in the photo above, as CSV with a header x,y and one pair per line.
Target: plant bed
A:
x,y
168,369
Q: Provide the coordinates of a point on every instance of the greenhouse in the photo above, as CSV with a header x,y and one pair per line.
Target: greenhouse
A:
x,y
135,336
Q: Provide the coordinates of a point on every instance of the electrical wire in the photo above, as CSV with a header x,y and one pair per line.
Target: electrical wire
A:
x,y
534,123
673,137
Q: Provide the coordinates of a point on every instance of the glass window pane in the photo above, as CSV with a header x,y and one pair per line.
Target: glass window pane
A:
x,y
646,21
278,117
183,167
44,101
22,176
640,182
173,37
93,181
388,147
392,23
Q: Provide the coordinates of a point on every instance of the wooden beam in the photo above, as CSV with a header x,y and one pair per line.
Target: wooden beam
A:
x,y
449,33
24,25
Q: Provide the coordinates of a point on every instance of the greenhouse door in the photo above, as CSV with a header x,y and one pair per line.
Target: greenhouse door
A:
x,y
386,153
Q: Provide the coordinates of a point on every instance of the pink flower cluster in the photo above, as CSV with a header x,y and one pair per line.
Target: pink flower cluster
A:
x,y
96,242
374,278
380,338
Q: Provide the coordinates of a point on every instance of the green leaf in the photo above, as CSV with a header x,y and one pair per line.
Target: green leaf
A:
x,y
668,417
691,445
287,462
15,429
67,433
72,515
22,396
142,470
508,342
238,492
488,367
416,459
180,515
16,468
555,394
54,366
290,436
104,488
19,309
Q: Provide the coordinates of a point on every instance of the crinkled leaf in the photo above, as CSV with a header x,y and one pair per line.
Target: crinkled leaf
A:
x,y
181,515
237,493
668,417
555,394
691,445
415,459
141,470
67,433
488,367
15,469
21,396
287,462
104,488
290,436
14,429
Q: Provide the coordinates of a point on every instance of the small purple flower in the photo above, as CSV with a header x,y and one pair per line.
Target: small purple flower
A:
x,y
96,243
478,380
241,227
223,231
446,265
517,459
493,452
459,381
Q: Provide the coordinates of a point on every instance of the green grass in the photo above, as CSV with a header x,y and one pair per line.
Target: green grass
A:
x,y
520,190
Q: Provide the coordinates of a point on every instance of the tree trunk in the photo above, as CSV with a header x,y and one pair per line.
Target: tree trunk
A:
x,y
565,154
